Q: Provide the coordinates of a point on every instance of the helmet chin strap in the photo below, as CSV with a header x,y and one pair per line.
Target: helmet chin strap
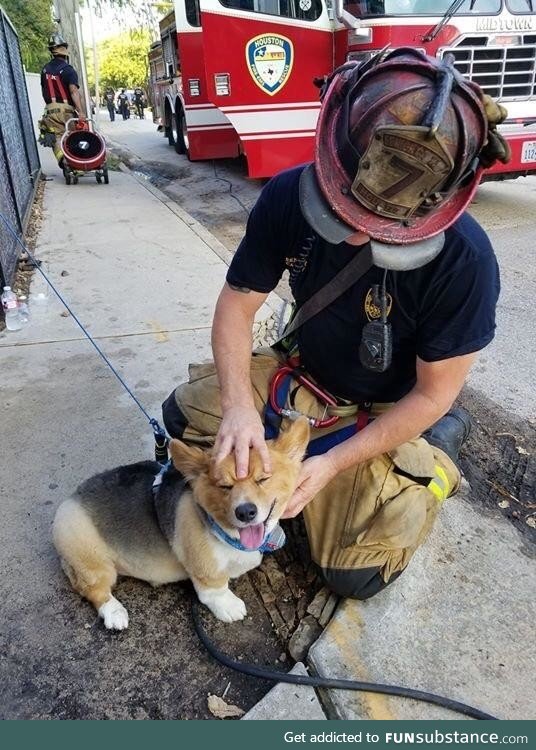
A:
x,y
406,257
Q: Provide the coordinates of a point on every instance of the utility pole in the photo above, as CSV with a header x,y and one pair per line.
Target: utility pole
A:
x,y
67,17
82,70
64,15
95,65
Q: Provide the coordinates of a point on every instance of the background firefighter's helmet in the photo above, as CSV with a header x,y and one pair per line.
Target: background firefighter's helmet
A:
x,y
397,149
55,42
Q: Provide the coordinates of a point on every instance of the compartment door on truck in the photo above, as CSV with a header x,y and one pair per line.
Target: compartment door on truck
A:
x,y
261,57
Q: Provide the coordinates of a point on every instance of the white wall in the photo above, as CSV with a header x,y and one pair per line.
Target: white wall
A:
x,y
37,105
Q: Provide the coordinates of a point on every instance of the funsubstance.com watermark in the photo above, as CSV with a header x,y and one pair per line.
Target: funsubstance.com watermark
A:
x,y
434,737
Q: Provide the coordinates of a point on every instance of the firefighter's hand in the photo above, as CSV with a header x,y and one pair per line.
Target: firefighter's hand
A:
x,y
241,429
316,472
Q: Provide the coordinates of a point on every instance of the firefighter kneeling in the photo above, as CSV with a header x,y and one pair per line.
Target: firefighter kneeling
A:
x,y
401,143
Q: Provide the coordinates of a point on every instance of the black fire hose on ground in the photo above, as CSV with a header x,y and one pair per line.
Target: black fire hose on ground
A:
x,y
327,682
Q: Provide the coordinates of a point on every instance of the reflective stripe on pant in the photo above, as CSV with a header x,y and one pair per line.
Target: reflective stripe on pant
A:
x,y
369,518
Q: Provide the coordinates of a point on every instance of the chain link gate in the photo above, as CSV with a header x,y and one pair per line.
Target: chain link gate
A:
x,y
19,160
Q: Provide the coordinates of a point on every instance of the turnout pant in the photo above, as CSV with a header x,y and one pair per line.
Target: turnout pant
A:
x,y
52,126
365,525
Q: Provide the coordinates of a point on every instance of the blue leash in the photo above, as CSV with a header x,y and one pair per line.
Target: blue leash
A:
x,y
159,432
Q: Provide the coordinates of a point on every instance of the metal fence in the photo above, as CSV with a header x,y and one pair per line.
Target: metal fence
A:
x,y
19,160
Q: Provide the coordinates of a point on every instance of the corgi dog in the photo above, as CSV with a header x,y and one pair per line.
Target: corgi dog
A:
x,y
194,520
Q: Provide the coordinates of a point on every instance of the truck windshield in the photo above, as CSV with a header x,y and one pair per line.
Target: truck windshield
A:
x,y
305,10
433,8
521,6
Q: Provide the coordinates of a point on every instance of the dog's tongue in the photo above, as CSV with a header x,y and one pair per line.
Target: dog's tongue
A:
x,y
252,536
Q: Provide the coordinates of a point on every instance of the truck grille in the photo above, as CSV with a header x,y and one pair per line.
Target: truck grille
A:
x,y
503,72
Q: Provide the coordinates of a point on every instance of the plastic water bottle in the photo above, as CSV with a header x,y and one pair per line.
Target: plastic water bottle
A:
x,y
39,290
24,310
10,305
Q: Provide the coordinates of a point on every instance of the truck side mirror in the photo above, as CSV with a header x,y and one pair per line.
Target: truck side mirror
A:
x,y
347,19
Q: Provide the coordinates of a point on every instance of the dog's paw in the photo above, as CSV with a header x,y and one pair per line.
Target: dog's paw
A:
x,y
113,613
227,607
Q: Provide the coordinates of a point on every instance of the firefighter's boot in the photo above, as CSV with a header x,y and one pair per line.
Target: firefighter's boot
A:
x,y
450,432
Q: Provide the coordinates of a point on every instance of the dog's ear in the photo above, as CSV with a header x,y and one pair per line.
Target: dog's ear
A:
x,y
189,460
293,441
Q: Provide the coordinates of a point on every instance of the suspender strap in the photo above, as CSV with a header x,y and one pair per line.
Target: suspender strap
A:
x,y
55,84
50,86
61,87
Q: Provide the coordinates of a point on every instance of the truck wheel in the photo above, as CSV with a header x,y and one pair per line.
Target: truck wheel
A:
x,y
171,129
182,146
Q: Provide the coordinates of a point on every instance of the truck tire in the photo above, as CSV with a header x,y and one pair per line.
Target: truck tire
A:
x,y
170,126
182,146
174,134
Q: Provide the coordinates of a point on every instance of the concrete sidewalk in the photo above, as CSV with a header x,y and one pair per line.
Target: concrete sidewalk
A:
x,y
144,277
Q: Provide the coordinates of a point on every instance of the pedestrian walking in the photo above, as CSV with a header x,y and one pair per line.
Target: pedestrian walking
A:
x,y
109,100
139,102
123,104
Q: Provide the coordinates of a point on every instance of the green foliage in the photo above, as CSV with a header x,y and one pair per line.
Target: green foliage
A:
x,y
144,11
122,60
32,20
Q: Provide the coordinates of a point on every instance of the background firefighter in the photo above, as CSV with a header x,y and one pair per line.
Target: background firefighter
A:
x,y
401,143
123,104
60,89
139,101
109,100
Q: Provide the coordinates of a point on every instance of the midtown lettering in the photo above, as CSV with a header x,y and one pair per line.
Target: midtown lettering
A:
x,y
522,23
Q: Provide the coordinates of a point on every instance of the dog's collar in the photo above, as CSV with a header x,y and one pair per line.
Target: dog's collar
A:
x,y
274,541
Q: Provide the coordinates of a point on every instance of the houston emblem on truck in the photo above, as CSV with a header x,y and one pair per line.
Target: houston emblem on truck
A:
x,y
269,59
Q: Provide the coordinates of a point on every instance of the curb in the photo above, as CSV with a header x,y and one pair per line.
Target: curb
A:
x,y
286,701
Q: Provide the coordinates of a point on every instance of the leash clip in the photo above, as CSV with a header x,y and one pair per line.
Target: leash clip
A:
x,y
160,442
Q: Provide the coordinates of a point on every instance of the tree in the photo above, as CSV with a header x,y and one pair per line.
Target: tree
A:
x,y
32,20
146,12
123,60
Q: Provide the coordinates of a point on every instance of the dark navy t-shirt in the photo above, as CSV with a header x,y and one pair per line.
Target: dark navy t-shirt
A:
x,y
444,309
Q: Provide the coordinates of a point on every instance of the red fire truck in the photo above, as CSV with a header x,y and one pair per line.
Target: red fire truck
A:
x,y
236,76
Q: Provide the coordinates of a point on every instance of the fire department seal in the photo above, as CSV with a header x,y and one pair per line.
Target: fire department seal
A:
x,y
269,58
372,311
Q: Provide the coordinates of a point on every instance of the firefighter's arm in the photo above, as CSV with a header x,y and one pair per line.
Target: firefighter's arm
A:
x,y
438,384
77,99
241,426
